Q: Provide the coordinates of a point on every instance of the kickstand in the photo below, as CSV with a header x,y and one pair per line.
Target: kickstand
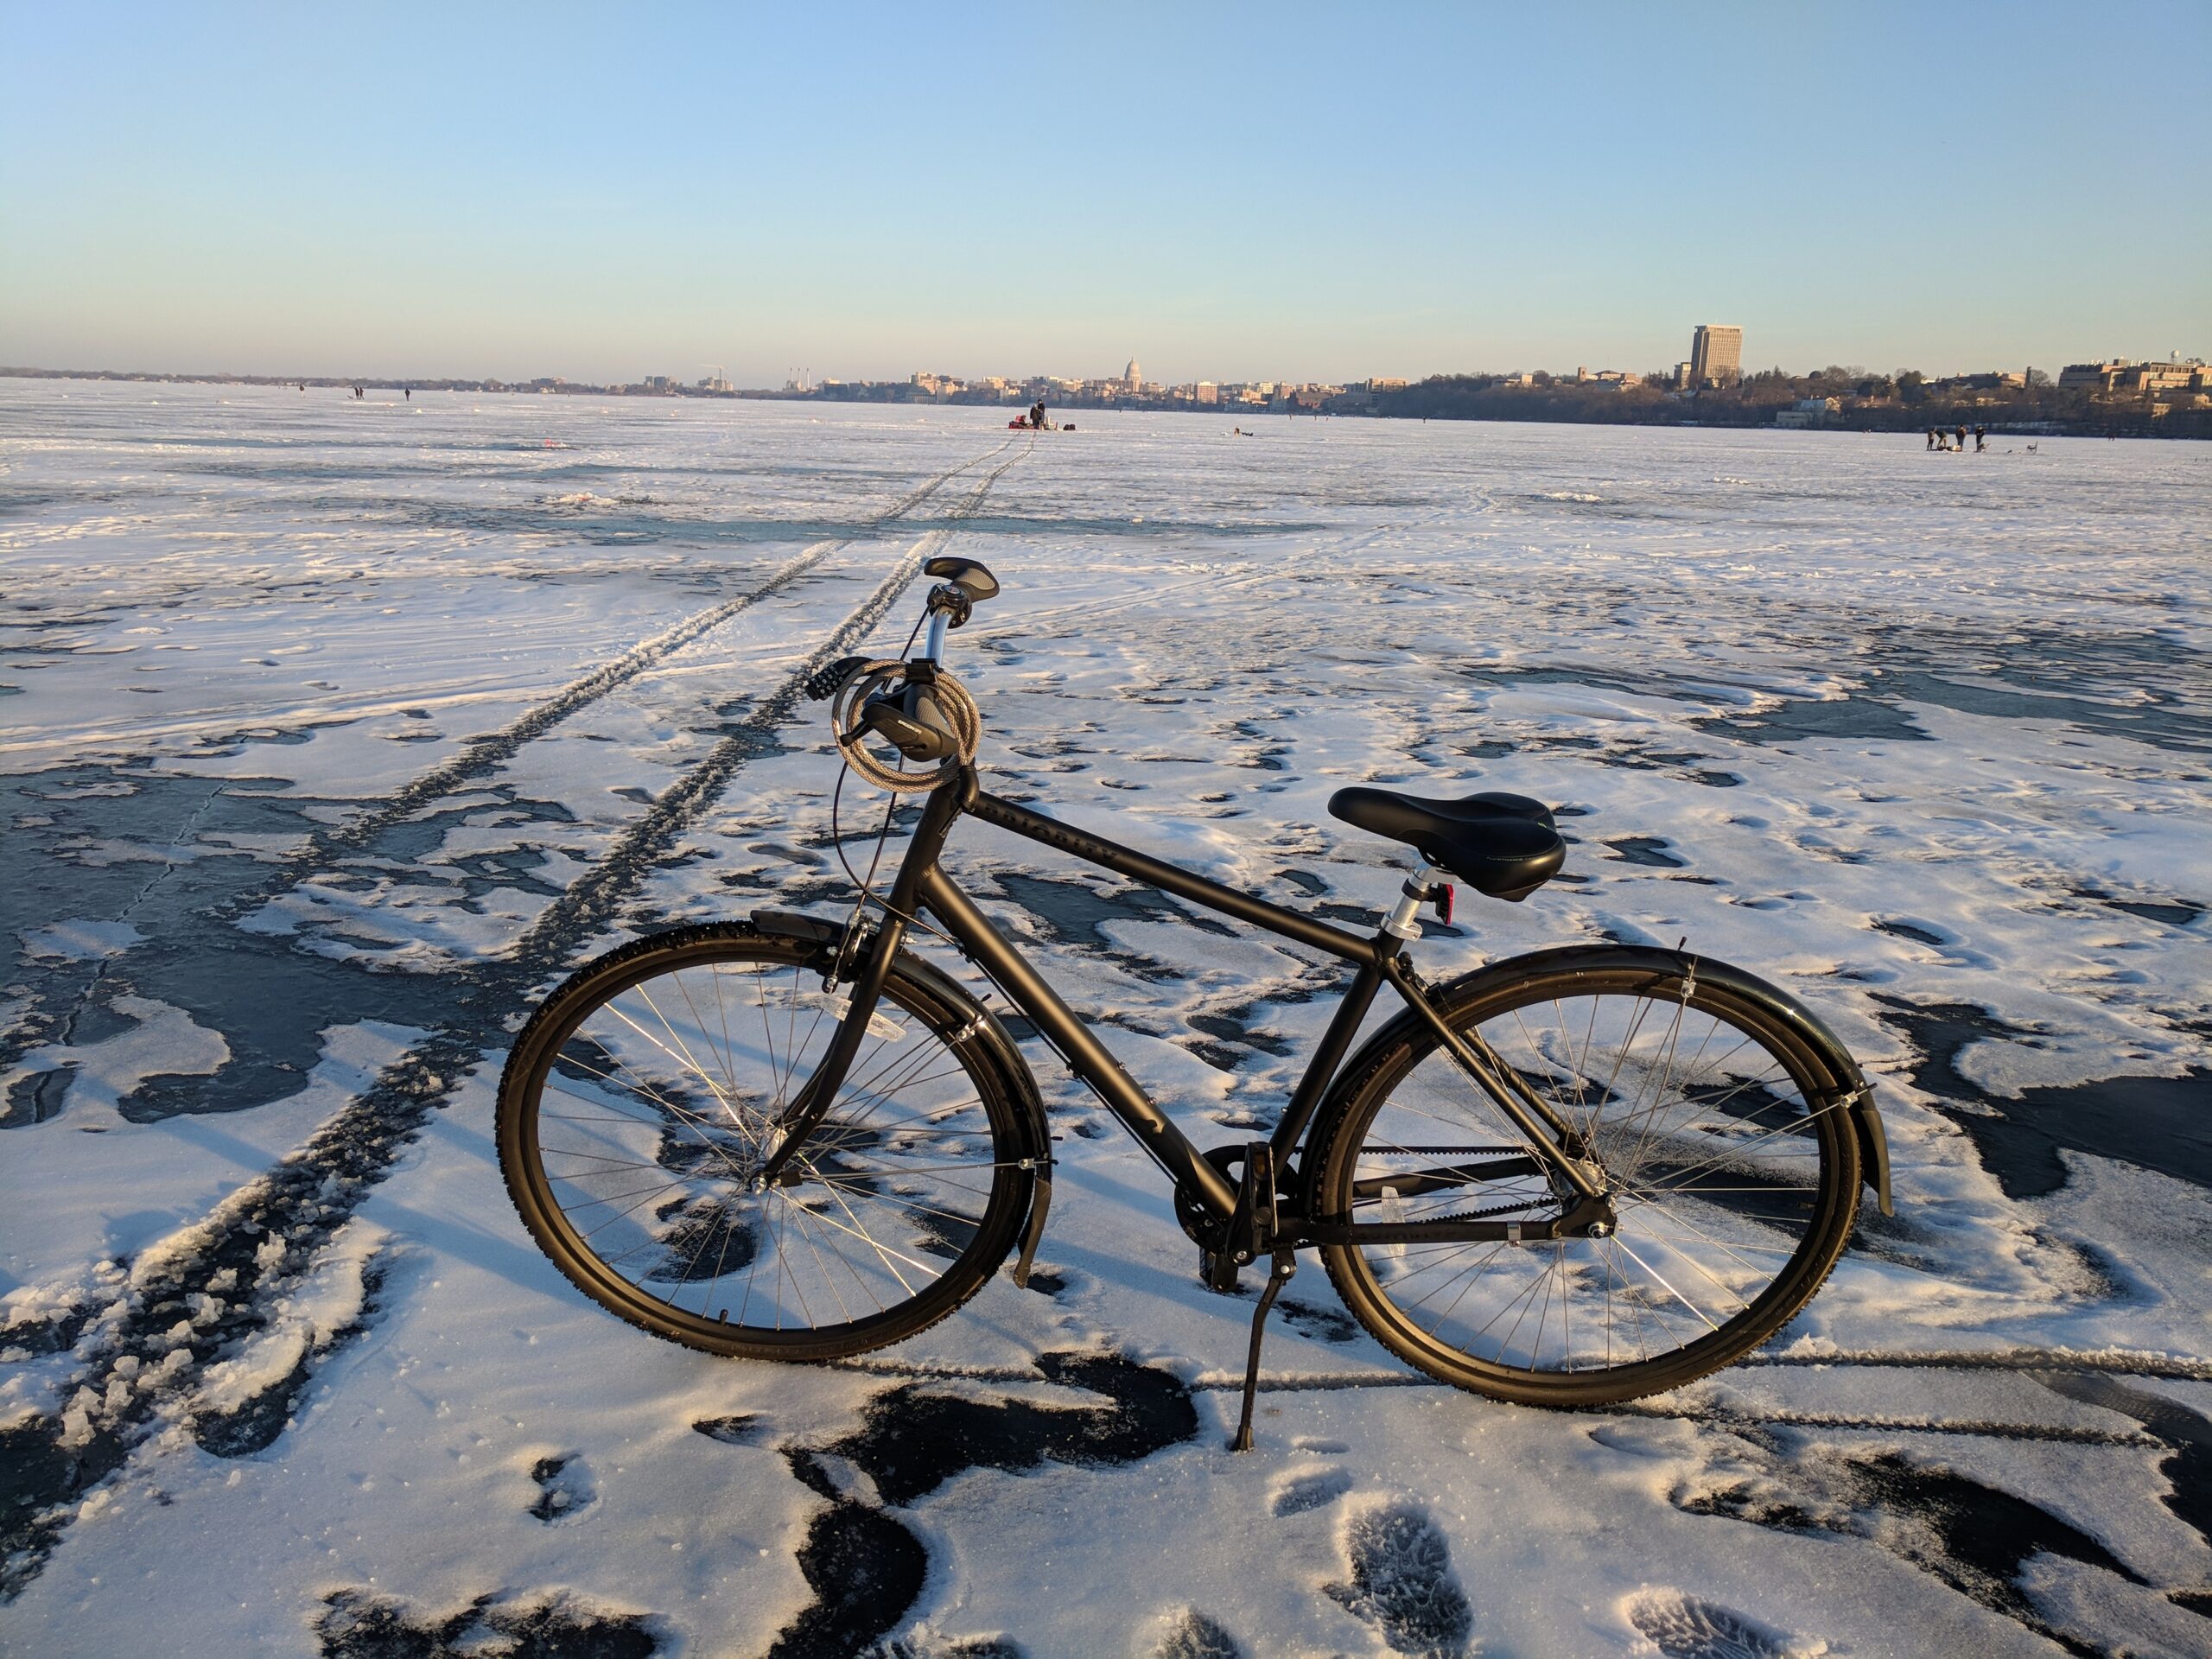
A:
x,y
1286,1264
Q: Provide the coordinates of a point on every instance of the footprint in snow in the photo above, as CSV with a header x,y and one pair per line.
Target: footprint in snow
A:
x,y
362,1624
741,1428
564,1488
1322,1323
1678,1626
1313,1492
1193,1636
1402,1583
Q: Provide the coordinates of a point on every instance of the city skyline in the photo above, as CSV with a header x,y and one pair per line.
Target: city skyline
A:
x,y
1238,194
1715,358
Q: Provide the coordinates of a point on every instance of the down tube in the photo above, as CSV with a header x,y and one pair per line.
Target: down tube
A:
x,y
1056,1021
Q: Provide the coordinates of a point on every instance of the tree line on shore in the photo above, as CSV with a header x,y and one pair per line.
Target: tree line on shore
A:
x,y
1906,401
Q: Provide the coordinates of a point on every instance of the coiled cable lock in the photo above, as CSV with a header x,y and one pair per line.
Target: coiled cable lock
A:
x,y
923,712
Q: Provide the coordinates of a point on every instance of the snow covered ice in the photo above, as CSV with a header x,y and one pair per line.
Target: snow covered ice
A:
x,y
334,731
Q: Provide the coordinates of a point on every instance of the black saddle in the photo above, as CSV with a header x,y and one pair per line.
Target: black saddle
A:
x,y
1505,846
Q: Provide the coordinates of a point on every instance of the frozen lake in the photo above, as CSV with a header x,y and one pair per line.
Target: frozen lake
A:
x,y
333,731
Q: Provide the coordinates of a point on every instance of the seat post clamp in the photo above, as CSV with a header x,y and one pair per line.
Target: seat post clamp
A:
x,y
1402,923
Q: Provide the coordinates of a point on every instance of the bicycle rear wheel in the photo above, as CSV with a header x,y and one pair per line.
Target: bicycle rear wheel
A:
x,y
1735,1167
642,1096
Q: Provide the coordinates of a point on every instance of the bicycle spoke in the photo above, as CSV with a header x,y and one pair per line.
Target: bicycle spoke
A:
x,y
1717,1172
660,1104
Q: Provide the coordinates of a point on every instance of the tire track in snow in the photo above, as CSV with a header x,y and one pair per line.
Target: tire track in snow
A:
x,y
2031,1360
204,1290
534,722
482,755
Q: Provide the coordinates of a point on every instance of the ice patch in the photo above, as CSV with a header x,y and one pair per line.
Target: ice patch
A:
x,y
80,939
164,1042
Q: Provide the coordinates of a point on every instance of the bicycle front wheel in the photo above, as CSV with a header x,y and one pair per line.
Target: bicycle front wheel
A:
x,y
643,1096
1734,1167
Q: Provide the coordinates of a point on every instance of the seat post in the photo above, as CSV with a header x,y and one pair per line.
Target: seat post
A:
x,y
1401,923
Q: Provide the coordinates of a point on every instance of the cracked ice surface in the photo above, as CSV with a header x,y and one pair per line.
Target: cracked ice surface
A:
x,y
1925,740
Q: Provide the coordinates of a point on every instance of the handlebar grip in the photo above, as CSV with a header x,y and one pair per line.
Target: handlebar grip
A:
x,y
826,681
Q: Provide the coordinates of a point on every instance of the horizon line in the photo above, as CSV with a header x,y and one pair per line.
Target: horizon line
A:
x,y
430,382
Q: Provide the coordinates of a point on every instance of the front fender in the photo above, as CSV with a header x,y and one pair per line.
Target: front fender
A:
x,y
1021,1082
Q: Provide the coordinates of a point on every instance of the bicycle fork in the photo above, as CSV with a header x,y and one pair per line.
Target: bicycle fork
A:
x,y
812,1103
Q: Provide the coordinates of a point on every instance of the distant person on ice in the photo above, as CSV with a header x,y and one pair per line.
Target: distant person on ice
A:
x,y
1037,414
1980,439
1931,437
1962,437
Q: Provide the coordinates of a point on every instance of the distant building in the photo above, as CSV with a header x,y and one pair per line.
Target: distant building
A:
x,y
1386,383
2141,378
1681,377
1131,379
1206,392
2097,375
1808,411
1716,355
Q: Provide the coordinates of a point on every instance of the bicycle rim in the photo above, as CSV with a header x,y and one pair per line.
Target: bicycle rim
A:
x,y
1736,1181
634,1122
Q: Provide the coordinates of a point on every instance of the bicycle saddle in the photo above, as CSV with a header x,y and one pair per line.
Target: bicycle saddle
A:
x,y
1505,846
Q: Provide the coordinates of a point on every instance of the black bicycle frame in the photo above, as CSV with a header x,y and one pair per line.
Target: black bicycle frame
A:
x,y
922,885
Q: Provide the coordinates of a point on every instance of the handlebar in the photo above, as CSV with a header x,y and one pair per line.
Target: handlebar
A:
x,y
963,584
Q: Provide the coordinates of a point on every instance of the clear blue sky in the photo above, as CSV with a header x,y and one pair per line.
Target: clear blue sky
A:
x,y
1221,191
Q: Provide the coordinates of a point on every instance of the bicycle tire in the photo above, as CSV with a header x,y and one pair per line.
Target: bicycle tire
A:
x,y
958,1250
1815,1190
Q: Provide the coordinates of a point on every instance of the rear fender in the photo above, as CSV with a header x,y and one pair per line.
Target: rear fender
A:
x,y
1838,1075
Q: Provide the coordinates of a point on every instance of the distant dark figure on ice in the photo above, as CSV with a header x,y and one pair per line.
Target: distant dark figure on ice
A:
x,y
1980,439
1962,437
1037,414
1935,439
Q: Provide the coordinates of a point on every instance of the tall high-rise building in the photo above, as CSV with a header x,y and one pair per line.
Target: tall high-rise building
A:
x,y
1716,354
1130,376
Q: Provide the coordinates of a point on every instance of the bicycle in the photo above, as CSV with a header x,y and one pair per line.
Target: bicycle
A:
x,y
1571,1178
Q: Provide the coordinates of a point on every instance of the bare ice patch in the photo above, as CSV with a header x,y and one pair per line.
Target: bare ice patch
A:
x,y
79,939
164,1041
